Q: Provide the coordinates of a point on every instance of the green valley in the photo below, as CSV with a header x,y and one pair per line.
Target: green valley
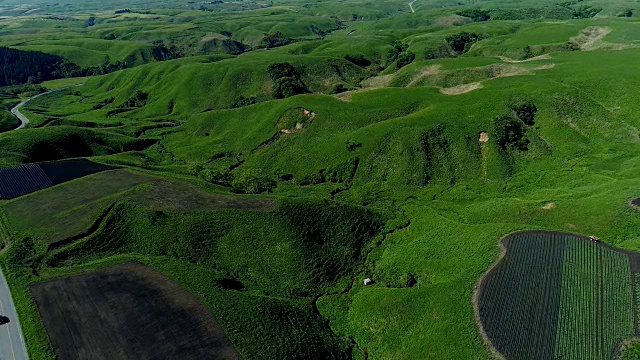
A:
x,y
322,179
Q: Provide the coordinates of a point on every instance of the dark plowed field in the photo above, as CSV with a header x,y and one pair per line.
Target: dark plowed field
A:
x,y
66,170
25,179
128,311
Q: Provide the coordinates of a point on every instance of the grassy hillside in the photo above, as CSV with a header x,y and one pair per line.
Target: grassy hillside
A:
x,y
414,141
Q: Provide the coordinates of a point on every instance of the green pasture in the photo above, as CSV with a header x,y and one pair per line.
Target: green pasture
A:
x,y
388,180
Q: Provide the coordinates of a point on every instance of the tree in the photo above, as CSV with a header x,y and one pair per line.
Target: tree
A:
x,y
397,49
509,133
358,59
524,110
90,21
405,59
627,13
253,181
462,42
286,81
475,14
280,70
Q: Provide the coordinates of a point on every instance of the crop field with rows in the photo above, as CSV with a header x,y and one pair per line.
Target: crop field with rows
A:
x,y
558,296
25,179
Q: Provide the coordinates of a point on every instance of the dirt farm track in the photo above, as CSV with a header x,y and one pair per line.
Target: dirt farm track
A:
x,y
127,311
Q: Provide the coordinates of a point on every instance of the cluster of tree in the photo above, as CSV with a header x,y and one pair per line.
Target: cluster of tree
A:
x,y
510,130
509,133
524,110
462,42
90,21
475,14
550,12
626,13
19,67
438,50
228,46
160,52
357,59
250,181
242,101
399,54
138,99
585,12
274,40
286,81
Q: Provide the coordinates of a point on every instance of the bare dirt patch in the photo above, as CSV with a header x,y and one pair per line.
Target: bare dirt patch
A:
x,y
424,72
484,137
536,58
376,82
127,311
591,37
453,20
461,89
549,206
168,195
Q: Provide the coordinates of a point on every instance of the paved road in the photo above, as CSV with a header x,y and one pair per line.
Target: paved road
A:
x,y
11,341
12,345
23,119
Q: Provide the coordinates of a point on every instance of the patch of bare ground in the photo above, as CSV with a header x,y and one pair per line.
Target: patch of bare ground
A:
x,y
545,67
453,20
461,89
549,206
496,71
536,58
376,82
484,139
128,311
212,36
424,72
169,195
591,37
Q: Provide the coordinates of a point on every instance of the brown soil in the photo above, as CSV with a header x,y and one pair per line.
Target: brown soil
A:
x,y
168,195
549,206
127,311
591,37
424,72
376,82
461,89
453,20
536,58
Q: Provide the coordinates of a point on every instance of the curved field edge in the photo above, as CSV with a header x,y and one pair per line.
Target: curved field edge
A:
x,y
26,269
621,346
476,296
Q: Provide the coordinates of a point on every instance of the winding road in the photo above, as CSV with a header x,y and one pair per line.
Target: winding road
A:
x,y
23,119
411,6
12,345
